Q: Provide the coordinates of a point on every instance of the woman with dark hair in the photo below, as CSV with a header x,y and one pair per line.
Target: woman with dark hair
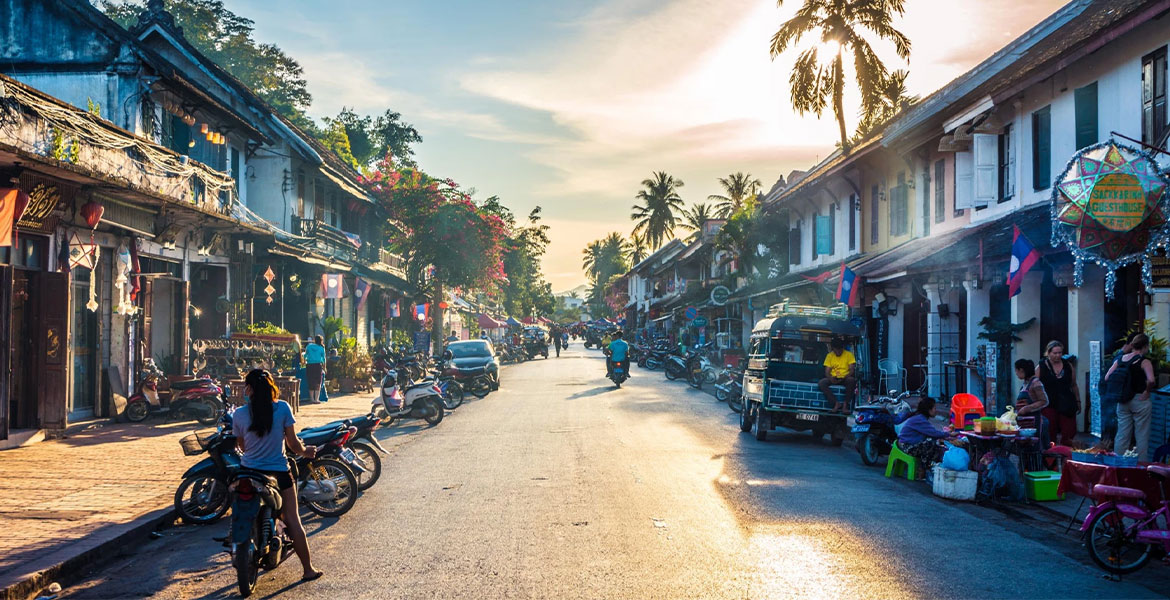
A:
x,y
263,427
1059,378
315,367
1134,411
1032,399
920,438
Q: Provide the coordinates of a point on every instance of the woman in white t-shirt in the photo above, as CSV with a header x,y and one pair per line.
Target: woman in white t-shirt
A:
x,y
263,427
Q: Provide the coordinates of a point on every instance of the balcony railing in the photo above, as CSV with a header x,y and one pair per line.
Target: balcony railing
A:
x,y
328,239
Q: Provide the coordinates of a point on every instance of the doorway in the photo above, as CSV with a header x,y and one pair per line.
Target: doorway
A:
x,y
85,346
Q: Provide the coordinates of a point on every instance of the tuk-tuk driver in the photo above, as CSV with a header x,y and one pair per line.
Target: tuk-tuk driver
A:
x,y
840,369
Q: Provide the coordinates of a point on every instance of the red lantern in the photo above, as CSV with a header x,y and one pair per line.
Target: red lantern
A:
x,y
92,213
443,305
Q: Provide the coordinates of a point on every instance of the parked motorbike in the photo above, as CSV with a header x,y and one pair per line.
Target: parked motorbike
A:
x,y
360,442
202,497
257,536
657,356
687,366
421,400
729,388
873,425
200,399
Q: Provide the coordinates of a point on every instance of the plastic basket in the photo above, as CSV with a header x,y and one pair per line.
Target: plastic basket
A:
x,y
1096,459
1042,486
1121,461
196,443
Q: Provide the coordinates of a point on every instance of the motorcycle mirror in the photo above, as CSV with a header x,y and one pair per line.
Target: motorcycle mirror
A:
x,y
447,355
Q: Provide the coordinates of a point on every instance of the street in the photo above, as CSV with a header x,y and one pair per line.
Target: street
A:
x,y
560,486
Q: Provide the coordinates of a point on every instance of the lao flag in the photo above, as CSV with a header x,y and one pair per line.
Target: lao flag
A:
x,y
395,311
331,285
421,311
361,290
1024,256
847,288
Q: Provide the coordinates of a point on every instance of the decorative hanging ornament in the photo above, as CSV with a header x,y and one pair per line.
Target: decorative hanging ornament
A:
x,y
269,275
1109,207
92,213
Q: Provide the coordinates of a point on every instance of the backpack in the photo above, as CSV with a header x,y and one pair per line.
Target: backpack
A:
x,y
1122,385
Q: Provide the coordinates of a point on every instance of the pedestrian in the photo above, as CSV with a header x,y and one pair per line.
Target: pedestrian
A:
x,y
454,337
1032,399
556,335
264,428
1058,375
1134,407
315,367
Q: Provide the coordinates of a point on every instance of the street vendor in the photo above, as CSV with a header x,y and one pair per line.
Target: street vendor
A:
x,y
840,369
1032,399
920,438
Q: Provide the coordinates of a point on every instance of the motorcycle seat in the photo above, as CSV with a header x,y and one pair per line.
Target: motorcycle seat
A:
x,y
1102,493
1159,472
189,383
245,472
319,438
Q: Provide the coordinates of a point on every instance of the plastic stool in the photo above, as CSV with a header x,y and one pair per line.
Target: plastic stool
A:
x,y
963,405
900,461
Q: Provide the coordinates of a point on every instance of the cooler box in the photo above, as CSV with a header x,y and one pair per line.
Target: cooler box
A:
x,y
956,485
1041,486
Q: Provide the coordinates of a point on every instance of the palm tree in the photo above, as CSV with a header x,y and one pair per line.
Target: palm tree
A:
x,y
893,99
656,220
841,25
638,250
593,260
696,217
737,188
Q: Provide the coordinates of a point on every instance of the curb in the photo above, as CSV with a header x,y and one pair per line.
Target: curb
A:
x,y
31,583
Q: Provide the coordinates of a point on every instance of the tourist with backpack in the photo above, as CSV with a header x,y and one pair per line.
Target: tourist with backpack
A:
x,y
1128,383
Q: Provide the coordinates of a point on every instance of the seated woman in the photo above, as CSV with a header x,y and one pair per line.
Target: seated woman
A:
x,y
920,438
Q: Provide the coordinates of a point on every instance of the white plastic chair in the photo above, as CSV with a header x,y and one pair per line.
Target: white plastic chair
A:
x,y
890,372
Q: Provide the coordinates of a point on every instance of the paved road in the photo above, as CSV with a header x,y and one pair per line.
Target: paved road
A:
x,y
560,486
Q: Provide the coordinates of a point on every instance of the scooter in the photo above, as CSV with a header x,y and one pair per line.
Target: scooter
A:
x,y
729,388
873,425
421,400
620,371
200,399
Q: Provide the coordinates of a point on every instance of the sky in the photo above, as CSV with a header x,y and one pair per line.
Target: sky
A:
x,y
570,104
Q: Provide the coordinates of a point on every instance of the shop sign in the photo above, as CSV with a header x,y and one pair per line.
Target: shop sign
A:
x,y
41,202
719,295
1160,272
699,322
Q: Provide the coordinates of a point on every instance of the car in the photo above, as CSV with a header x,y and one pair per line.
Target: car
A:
x,y
471,359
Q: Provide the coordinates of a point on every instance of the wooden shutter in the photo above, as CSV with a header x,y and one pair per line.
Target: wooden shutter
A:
x,y
183,333
986,150
5,346
1042,148
964,180
823,240
53,348
1085,104
940,198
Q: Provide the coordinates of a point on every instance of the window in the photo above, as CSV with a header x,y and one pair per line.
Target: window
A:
x,y
899,202
873,217
823,234
1085,103
963,192
794,244
301,192
1042,149
1007,165
940,199
853,207
1154,97
318,201
833,228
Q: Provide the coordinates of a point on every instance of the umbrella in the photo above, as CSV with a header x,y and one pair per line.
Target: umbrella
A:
x,y
513,321
486,322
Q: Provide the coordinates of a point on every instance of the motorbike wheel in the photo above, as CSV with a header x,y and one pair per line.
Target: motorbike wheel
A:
x,y
696,380
868,448
436,415
246,568
746,418
137,411
201,499
372,462
735,403
347,487
721,394
1112,544
670,373
480,389
209,412
454,396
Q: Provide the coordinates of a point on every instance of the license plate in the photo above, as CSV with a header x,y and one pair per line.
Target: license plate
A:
x,y
808,417
860,428
348,454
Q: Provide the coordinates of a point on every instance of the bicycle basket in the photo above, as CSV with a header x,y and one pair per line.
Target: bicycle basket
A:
x,y
196,443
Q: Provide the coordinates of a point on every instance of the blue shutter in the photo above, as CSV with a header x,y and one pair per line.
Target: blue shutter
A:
x,y
824,240
1085,102
1042,148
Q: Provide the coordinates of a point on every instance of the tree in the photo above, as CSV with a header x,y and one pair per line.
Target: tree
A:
x,y
335,138
893,99
656,220
371,139
603,261
841,25
696,217
226,38
737,188
638,251
524,291
751,237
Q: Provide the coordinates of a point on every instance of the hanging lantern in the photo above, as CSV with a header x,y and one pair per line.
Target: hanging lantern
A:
x,y
92,213
203,128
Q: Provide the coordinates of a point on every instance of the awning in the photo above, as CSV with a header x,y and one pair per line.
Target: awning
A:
x,y
307,257
486,322
662,318
513,321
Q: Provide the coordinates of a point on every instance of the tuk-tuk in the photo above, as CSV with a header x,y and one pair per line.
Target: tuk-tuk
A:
x,y
536,341
786,358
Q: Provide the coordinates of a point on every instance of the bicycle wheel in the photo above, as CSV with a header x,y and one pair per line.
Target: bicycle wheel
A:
x,y
453,396
1113,545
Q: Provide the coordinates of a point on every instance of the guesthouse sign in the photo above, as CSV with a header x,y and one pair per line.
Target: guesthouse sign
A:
x,y
1109,207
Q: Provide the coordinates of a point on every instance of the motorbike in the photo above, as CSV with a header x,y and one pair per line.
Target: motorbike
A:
x,y
420,400
362,444
873,425
729,388
687,366
620,371
656,357
257,534
200,399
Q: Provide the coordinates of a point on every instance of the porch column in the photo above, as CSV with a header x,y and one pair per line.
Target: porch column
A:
x,y
978,307
1086,304
1028,305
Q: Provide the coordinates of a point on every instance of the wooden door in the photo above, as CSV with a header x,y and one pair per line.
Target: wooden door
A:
x,y
182,318
147,299
5,346
52,345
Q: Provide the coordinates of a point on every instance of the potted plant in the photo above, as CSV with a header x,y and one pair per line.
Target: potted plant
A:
x,y
353,365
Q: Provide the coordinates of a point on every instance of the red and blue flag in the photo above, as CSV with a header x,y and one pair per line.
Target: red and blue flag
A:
x,y
361,290
1024,257
848,287
421,311
331,285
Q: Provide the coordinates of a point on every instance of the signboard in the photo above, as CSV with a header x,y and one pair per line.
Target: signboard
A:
x,y
422,341
42,200
699,322
720,295
690,313
1094,383
1160,271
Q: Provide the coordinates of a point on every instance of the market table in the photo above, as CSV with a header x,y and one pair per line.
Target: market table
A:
x,y
1026,447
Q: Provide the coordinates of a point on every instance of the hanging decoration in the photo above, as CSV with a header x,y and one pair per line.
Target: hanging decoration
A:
x,y
13,201
123,262
269,275
1109,207
92,213
86,255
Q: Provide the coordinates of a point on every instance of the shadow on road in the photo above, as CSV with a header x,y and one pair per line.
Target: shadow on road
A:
x,y
593,392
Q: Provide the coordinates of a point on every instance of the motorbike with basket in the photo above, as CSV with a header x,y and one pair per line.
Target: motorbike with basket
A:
x,y
1124,530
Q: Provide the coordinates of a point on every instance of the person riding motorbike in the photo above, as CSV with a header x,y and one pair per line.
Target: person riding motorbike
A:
x,y
264,426
619,352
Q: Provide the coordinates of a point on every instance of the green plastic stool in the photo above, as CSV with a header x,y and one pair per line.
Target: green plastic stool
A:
x,y
900,461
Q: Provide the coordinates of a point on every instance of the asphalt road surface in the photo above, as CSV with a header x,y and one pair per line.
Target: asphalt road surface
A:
x,y
560,486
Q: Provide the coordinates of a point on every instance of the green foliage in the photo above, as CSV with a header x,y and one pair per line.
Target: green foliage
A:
x,y
370,139
335,138
400,337
265,328
1158,345
738,189
758,240
696,217
92,107
352,361
1003,333
75,151
524,292
57,144
331,328
226,38
656,217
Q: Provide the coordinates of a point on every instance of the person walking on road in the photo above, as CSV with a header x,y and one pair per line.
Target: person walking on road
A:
x,y
556,335
1134,407
264,426
315,367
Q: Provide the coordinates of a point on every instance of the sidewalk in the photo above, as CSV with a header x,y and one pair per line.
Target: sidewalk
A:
x,y
67,501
